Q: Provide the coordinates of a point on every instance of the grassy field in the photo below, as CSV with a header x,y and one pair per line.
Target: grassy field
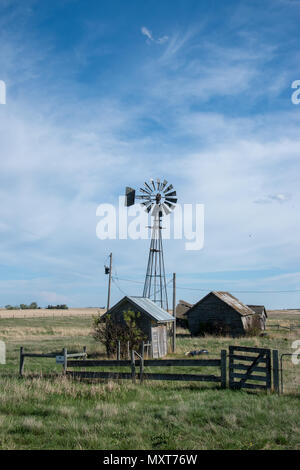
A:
x,y
45,410
45,312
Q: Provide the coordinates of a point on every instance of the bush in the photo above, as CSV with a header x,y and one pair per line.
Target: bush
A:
x,y
108,331
215,328
58,307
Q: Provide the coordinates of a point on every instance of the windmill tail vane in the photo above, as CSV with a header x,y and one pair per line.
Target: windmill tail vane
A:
x,y
159,199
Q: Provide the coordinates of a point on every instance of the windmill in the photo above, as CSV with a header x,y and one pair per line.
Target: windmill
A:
x,y
159,199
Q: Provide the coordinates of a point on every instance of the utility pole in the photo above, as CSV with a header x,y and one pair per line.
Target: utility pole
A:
x,y
109,279
174,312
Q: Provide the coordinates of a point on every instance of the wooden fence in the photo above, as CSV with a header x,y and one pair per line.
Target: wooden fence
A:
x,y
143,364
254,365
63,358
252,368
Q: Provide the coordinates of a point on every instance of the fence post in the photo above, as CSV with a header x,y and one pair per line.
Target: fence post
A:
x,y
128,350
132,366
142,364
65,360
21,369
223,368
84,349
275,370
118,350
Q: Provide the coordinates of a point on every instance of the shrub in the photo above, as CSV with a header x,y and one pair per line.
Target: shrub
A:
x,y
109,331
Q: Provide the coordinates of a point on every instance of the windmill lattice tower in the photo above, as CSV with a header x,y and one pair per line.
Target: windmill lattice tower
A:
x,y
159,199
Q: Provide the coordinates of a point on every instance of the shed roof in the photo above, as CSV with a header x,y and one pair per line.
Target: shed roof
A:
x,y
149,307
232,301
235,303
258,309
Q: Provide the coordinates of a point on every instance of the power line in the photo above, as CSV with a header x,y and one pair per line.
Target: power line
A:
x,y
231,290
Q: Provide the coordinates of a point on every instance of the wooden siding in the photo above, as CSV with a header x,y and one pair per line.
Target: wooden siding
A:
x,y
143,322
159,341
155,332
213,310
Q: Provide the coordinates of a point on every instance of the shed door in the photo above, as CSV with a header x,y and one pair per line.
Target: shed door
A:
x,y
159,341
155,342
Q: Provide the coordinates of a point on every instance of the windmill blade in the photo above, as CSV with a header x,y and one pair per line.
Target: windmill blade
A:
x,y
171,199
173,193
153,184
168,188
145,191
148,209
158,183
147,205
170,205
147,185
164,184
166,210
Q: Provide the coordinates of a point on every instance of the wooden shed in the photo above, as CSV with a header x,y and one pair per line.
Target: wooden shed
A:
x,y
181,313
220,312
261,311
153,321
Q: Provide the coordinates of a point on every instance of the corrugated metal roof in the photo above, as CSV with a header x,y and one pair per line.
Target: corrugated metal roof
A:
x,y
235,303
151,308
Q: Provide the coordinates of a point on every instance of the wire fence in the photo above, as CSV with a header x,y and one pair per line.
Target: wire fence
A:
x,y
289,374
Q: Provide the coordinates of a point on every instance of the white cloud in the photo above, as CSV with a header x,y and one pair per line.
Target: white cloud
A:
x,y
273,198
146,32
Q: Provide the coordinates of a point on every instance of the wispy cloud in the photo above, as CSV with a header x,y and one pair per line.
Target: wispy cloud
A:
x,y
146,32
281,198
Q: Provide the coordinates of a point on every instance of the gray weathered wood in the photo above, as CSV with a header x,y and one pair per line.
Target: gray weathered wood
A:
x,y
245,367
262,356
147,363
99,363
132,366
183,377
77,354
65,365
51,355
119,350
275,370
182,362
248,349
21,368
142,364
239,357
223,368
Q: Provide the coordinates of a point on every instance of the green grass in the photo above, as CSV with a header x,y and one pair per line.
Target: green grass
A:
x,y
45,410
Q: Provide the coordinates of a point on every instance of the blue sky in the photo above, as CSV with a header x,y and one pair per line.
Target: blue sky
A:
x,y
104,94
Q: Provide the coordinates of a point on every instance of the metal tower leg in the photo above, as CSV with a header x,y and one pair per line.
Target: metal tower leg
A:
x,y
155,287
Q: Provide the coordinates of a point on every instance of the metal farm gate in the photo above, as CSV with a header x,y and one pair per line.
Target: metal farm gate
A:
x,y
243,362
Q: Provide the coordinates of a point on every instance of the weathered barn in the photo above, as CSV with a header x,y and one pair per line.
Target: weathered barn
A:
x,y
181,313
220,312
153,321
261,311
